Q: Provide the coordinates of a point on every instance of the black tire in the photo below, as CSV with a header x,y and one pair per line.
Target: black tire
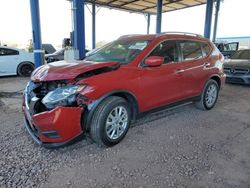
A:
x,y
203,103
99,124
25,69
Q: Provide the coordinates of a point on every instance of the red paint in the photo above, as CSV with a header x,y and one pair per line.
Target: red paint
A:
x,y
152,86
66,121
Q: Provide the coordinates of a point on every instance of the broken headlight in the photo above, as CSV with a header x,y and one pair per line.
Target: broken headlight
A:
x,y
64,96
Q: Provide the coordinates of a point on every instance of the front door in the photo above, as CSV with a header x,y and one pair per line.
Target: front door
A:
x,y
164,84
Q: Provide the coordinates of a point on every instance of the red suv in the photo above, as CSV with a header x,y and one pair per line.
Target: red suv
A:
x,y
102,94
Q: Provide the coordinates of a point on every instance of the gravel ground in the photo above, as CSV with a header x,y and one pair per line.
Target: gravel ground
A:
x,y
181,148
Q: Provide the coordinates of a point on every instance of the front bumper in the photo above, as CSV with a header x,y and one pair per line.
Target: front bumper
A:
x,y
54,128
238,79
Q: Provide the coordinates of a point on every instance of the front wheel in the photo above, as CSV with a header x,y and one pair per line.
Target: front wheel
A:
x,y
209,95
111,121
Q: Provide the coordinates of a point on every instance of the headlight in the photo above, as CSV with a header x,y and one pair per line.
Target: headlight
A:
x,y
64,96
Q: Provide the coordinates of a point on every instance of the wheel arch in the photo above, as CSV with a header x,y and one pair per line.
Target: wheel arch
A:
x,y
24,62
127,95
217,79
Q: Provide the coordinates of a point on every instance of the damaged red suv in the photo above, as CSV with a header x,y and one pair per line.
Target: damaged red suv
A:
x,y
102,94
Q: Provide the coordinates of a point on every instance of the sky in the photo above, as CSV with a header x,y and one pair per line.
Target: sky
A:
x,y
55,15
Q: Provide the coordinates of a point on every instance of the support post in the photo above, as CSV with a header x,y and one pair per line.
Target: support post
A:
x,y
159,15
216,19
79,27
36,32
208,19
148,23
93,25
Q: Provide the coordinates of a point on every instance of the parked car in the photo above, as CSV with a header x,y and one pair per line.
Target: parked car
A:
x,y
14,61
56,56
237,68
102,94
227,49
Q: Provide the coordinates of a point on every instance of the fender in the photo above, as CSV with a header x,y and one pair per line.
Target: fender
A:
x,y
90,109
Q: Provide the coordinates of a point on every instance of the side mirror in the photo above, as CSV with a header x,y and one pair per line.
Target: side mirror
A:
x,y
154,61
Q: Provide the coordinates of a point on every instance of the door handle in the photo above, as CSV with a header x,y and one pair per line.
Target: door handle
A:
x,y
179,71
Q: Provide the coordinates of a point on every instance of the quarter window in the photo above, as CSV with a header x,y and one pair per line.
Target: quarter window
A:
x,y
206,49
190,50
168,50
5,52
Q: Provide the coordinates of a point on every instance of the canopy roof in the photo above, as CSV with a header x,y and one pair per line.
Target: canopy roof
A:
x,y
147,6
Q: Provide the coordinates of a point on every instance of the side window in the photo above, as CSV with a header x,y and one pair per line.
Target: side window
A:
x,y
191,50
5,51
167,49
206,49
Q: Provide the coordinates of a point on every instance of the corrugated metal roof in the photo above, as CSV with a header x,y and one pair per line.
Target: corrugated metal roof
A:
x,y
147,6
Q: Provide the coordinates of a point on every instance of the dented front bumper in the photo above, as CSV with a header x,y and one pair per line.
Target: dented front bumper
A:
x,y
54,128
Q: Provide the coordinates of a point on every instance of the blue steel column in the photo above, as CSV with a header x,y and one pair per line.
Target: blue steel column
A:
x,y
36,32
79,27
159,14
216,19
148,23
208,20
93,24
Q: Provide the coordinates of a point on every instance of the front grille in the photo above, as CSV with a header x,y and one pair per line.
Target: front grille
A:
x,y
239,71
236,71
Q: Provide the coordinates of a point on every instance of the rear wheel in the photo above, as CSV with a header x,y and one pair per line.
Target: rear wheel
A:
x,y
25,69
111,121
209,95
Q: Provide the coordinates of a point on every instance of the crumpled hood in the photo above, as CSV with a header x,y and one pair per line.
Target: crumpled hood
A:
x,y
243,63
66,70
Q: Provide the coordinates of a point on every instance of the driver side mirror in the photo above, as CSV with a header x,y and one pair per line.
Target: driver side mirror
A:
x,y
154,61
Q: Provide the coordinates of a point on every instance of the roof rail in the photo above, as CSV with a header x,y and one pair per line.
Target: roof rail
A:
x,y
178,32
130,35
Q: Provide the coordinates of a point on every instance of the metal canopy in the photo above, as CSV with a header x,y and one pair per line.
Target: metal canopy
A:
x,y
147,6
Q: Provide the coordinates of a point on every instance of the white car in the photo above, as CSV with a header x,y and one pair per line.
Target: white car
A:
x,y
14,61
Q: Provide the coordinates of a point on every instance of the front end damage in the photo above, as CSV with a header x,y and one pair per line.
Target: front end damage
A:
x,y
53,124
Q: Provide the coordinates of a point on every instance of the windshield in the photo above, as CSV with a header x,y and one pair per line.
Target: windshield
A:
x,y
123,51
244,54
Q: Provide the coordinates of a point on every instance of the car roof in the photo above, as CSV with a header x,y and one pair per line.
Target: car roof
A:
x,y
182,35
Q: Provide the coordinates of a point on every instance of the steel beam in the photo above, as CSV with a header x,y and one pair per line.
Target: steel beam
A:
x,y
148,23
93,25
36,32
216,19
158,16
79,27
208,19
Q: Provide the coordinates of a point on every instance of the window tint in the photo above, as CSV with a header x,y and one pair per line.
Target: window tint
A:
x,y
206,49
230,47
168,50
190,50
5,51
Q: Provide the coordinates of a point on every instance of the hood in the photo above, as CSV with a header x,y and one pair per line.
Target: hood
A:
x,y
64,70
243,63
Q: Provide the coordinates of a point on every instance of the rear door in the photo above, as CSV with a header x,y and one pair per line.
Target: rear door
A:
x,y
9,60
193,67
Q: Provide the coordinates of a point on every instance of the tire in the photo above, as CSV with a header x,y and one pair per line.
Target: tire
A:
x,y
209,96
25,69
111,116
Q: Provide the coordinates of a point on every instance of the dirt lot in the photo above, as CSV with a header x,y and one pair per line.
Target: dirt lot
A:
x,y
181,148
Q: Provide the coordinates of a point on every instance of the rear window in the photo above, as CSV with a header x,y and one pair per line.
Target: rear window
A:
x,y
6,51
191,50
